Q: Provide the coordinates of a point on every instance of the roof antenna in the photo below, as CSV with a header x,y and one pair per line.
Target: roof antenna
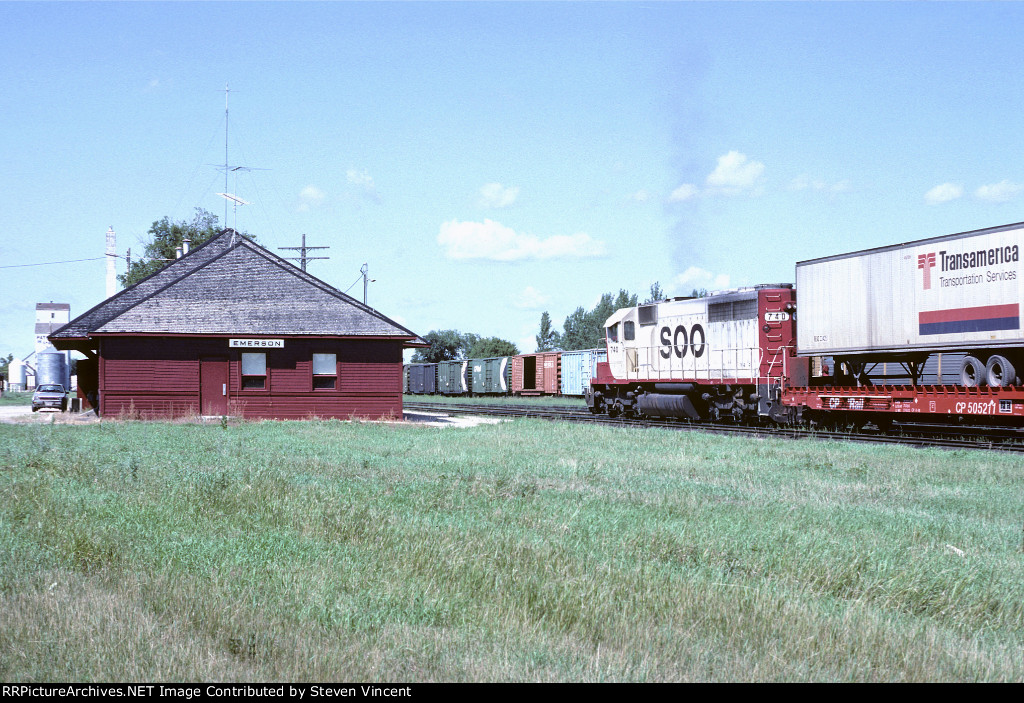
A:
x,y
228,169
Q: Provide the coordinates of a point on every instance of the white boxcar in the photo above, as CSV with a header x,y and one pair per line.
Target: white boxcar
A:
x,y
961,291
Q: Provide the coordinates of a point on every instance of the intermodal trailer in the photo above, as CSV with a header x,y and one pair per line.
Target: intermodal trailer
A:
x,y
578,368
956,292
536,374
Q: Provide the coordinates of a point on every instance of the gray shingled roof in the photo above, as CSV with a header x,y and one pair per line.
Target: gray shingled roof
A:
x,y
231,285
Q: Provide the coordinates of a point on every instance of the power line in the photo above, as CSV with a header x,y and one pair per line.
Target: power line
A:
x,y
51,263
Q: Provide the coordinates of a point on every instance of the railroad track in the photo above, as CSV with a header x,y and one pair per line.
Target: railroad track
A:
x,y
935,436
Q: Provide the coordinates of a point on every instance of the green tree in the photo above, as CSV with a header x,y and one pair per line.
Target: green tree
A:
x,y
488,347
585,330
165,237
5,362
445,345
699,293
548,339
575,330
656,295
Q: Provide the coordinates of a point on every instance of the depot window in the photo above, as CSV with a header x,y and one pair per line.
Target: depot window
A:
x,y
325,371
254,370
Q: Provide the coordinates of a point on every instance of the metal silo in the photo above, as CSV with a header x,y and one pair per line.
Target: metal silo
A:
x,y
16,375
51,367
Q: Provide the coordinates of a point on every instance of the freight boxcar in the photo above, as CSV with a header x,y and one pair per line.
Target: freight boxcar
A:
x,y
422,378
903,303
490,376
578,368
452,377
536,374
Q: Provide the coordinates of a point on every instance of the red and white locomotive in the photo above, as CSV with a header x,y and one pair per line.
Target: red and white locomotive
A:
x,y
720,356
869,324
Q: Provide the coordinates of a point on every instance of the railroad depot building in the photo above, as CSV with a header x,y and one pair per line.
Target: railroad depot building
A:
x,y
232,329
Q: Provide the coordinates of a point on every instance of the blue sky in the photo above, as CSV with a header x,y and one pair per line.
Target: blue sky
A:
x,y
490,161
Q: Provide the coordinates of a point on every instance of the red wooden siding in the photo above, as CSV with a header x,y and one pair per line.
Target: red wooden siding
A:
x,y
159,377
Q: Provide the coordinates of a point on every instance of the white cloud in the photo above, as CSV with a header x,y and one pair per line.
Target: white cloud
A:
x,y
362,181
943,193
531,299
641,196
735,172
494,241
686,191
359,178
310,197
495,195
696,277
1001,192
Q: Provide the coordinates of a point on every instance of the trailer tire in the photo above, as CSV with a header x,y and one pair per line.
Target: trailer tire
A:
x,y
972,372
1000,372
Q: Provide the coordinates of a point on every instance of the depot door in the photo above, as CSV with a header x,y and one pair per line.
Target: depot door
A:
x,y
213,386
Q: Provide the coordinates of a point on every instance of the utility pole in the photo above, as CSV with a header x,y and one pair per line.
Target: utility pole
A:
x,y
365,270
303,258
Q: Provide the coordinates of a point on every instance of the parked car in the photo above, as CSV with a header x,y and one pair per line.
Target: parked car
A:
x,y
50,395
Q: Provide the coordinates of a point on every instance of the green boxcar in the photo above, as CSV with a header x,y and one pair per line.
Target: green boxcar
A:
x,y
452,377
489,376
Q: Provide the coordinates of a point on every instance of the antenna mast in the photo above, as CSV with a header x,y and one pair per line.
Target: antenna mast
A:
x,y
226,91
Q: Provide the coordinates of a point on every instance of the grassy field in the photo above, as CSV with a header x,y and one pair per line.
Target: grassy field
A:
x,y
16,398
520,551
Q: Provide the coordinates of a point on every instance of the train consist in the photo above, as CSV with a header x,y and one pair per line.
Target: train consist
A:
x,y
559,373
873,328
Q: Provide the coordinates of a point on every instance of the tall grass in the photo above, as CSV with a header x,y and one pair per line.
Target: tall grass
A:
x,y
16,398
521,551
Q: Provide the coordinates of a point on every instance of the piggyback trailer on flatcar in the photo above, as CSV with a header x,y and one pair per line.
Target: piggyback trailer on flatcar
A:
x,y
883,315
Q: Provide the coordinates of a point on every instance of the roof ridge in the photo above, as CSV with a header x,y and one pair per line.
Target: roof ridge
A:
x,y
294,270
119,297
